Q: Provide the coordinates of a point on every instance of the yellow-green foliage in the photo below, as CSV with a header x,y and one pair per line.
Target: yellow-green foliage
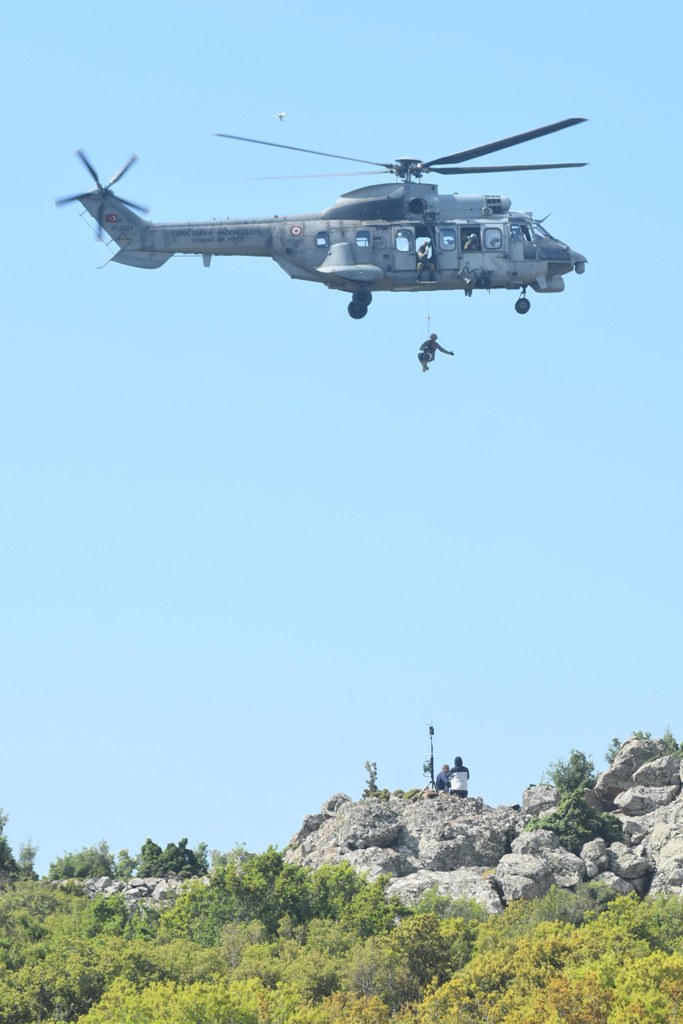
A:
x,y
337,952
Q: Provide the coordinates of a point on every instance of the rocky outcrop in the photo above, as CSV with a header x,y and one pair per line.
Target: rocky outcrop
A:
x,y
140,894
467,849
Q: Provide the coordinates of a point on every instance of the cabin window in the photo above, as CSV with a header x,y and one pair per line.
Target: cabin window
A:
x,y
493,238
403,240
363,239
447,239
470,239
322,239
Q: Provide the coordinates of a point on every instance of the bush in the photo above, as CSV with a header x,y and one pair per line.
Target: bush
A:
x,y
578,772
575,823
90,862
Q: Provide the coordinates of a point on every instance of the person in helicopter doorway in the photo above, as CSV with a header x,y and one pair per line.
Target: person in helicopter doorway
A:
x,y
425,261
471,243
459,778
427,352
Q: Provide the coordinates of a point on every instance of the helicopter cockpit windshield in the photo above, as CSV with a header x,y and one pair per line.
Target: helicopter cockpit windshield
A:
x,y
540,232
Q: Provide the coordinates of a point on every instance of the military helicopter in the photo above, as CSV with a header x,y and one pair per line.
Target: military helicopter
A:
x,y
404,236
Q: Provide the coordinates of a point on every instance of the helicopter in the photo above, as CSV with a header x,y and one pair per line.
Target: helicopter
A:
x,y
401,236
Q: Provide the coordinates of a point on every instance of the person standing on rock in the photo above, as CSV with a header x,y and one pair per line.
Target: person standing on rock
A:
x,y
459,778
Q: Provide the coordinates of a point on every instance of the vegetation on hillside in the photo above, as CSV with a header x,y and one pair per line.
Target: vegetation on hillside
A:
x,y
270,942
260,941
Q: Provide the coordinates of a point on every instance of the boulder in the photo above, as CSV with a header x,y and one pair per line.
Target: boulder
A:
x,y
463,883
540,800
663,771
619,885
369,823
664,846
522,876
594,856
566,868
311,823
333,803
631,865
629,758
640,800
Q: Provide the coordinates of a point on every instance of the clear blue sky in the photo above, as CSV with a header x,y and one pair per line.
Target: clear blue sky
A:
x,y
245,544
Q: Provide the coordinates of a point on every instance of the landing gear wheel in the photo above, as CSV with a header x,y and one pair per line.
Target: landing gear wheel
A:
x,y
356,310
363,297
522,305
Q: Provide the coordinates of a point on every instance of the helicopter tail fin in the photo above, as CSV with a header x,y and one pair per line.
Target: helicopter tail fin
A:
x,y
116,219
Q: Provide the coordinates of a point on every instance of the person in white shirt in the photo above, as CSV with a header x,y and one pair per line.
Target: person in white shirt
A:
x,y
459,778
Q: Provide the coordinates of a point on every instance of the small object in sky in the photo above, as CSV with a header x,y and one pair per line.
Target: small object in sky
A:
x,y
281,116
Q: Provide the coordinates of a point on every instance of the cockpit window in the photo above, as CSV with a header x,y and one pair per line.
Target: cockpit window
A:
x,y
541,233
403,240
447,239
493,238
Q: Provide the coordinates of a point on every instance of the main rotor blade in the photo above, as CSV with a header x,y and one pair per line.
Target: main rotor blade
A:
x,y
120,174
134,206
298,149
331,174
501,167
514,140
93,172
72,199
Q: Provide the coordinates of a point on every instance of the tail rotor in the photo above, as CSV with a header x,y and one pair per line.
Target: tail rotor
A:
x,y
101,192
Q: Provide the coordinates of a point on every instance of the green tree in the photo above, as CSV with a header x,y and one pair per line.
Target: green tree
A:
x,y
575,823
577,772
149,860
90,862
26,860
126,866
371,788
371,912
8,865
176,858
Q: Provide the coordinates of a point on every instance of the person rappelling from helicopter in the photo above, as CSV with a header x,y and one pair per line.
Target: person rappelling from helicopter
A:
x,y
427,353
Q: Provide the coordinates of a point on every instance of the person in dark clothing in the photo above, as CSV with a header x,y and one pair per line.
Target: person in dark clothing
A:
x,y
459,778
428,349
424,260
443,780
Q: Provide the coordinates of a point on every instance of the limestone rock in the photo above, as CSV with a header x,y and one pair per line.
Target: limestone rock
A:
x,y
566,868
368,823
333,803
594,856
540,800
664,845
638,800
463,883
523,876
663,771
629,758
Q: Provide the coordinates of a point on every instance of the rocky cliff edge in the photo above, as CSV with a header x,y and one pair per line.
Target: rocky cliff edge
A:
x,y
470,850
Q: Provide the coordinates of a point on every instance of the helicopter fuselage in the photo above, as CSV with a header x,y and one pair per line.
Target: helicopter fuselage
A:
x,y
371,240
